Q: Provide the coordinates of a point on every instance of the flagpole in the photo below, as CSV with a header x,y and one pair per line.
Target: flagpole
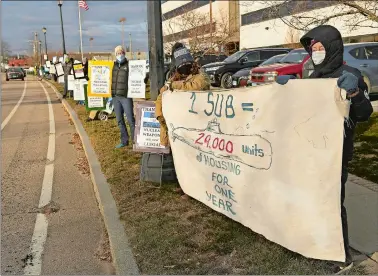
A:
x,y
81,37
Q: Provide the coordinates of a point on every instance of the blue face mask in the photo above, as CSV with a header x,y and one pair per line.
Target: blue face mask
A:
x,y
120,58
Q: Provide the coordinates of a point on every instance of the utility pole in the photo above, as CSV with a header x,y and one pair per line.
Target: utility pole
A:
x,y
155,43
131,51
123,20
211,25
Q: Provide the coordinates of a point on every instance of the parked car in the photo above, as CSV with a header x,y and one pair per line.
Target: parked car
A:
x,y
364,57
14,73
291,64
220,73
241,77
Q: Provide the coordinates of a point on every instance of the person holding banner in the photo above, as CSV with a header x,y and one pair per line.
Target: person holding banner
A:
x,y
325,46
186,76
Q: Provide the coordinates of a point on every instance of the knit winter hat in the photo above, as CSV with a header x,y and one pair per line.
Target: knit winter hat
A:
x,y
119,48
182,56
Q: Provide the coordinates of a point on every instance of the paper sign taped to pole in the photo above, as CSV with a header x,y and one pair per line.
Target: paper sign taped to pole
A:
x,y
268,157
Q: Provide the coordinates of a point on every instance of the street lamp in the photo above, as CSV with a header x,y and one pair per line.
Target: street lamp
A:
x,y
60,3
44,30
123,20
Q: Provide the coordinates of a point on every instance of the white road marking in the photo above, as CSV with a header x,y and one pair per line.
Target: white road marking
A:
x,y
7,119
34,267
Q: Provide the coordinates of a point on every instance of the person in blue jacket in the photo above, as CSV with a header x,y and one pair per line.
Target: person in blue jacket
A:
x,y
325,46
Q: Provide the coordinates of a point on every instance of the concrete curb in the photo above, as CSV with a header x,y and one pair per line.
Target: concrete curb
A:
x,y
123,258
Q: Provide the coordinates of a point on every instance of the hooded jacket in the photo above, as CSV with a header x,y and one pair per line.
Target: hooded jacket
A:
x,y
333,67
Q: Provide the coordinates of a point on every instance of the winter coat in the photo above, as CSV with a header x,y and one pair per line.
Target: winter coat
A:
x,y
198,82
333,67
120,78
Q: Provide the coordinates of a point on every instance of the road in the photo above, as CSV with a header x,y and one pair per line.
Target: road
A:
x,y
51,223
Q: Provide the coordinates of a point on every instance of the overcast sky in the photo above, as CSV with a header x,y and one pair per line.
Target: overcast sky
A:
x,y
20,19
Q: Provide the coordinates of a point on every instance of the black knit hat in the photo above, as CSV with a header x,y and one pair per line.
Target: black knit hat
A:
x,y
181,56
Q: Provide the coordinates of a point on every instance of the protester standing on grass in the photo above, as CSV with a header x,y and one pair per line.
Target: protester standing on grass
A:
x,y
186,76
122,104
326,48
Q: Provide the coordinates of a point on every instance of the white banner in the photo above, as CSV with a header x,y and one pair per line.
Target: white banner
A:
x,y
268,157
137,74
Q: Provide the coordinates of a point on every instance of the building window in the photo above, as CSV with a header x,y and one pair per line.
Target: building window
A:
x,y
288,8
185,8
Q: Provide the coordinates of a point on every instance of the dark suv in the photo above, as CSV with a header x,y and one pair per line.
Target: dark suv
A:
x,y
220,73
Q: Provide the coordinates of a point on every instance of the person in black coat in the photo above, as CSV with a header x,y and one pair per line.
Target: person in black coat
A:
x,y
325,46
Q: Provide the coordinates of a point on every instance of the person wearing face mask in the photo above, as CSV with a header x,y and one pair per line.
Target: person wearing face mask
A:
x,y
186,76
122,104
325,46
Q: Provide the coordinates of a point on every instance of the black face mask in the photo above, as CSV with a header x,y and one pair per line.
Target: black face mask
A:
x,y
185,70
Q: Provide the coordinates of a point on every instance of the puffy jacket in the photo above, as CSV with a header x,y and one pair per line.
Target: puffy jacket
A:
x,y
120,79
199,82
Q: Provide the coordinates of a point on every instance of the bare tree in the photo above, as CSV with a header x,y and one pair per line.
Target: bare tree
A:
x,y
5,50
302,15
196,28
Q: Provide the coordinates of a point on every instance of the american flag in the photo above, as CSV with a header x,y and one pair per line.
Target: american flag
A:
x,y
83,4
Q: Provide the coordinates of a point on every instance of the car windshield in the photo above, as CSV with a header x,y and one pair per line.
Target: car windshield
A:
x,y
273,60
14,70
235,57
295,57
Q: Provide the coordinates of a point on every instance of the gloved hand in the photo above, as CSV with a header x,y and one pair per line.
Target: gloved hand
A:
x,y
284,79
348,82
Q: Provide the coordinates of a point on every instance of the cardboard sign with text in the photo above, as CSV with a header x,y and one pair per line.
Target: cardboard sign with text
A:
x,y
268,157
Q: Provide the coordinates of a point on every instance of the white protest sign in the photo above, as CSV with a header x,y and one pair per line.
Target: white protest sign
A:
x,y
137,74
48,64
61,79
59,69
95,102
71,82
79,91
268,157
54,59
52,69
149,135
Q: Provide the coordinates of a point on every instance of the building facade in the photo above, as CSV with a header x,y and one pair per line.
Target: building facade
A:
x,y
203,25
262,23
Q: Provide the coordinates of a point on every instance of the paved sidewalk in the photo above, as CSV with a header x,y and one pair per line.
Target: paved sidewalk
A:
x,y
362,206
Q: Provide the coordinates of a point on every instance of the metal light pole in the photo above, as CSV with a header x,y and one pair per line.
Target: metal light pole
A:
x,y
155,43
60,3
40,53
44,30
123,20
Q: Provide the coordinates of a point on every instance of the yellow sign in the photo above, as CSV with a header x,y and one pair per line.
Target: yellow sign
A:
x,y
100,78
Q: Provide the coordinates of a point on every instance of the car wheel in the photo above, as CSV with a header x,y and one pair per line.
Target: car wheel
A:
x,y
367,81
226,81
23,79
103,116
7,79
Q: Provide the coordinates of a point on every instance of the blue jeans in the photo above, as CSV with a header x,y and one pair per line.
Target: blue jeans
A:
x,y
122,106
